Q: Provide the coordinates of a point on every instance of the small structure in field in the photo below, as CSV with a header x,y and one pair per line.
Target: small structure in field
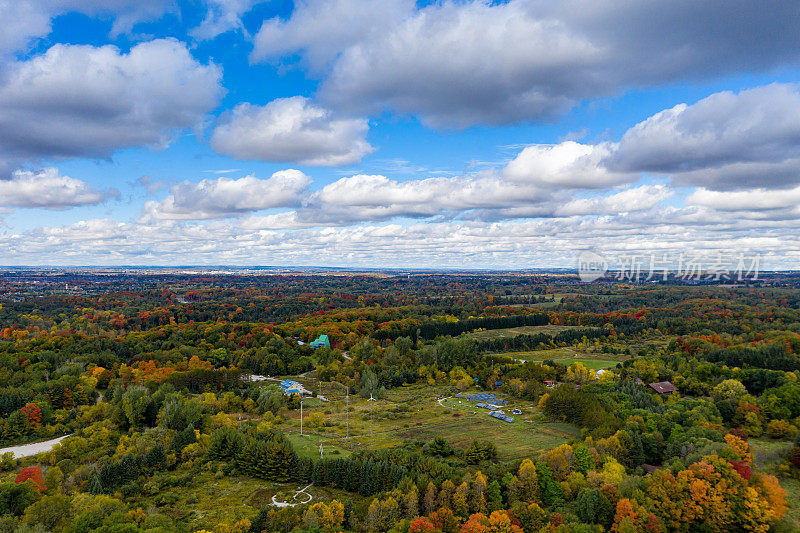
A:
x,y
665,388
500,415
291,388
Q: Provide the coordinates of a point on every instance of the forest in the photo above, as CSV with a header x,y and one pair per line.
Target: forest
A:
x,y
439,403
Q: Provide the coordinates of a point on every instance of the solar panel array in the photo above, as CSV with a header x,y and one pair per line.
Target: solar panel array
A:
x,y
485,397
500,416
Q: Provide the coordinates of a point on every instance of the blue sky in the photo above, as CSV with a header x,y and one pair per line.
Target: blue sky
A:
x,y
391,133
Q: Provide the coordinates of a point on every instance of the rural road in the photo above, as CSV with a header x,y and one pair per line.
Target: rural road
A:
x,y
34,448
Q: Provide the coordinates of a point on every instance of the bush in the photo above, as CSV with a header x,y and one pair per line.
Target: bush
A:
x,y
781,429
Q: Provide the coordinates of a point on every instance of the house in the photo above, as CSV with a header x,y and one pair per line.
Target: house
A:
x,y
321,341
291,388
649,468
549,383
664,387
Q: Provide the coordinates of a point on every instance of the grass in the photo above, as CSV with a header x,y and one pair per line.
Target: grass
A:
x,y
412,413
792,520
208,501
567,356
308,446
768,453
522,330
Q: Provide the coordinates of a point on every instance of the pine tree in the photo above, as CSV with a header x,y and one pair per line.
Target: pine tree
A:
x,y
494,496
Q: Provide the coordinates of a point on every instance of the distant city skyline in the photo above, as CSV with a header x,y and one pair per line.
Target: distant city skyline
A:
x,y
397,134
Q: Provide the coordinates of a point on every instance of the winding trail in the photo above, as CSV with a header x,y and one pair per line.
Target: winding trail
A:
x,y
287,504
34,448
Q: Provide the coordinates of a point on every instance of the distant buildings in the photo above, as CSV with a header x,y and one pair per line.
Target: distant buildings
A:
x,y
321,341
291,388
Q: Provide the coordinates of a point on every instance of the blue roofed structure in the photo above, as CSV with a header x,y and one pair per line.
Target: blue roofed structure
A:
x,y
321,341
292,387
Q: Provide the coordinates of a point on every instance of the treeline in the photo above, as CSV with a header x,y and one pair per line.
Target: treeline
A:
x,y
773,356
269,457
531,342
431,330
205,379
113,475
362,475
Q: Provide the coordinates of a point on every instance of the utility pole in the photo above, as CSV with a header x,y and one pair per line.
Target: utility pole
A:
x,y
347,406
371,418
301,415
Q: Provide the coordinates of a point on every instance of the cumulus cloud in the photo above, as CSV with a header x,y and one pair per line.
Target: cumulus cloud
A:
x,y
567,164
86,101
461,63
47,188
322,29
222,16
292,130
634,199
221,197
26,20
751,128
747,200
477,244
376,197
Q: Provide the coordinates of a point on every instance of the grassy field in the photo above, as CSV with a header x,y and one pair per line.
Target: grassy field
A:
x,y
549,329
768,453
568,356
792,520
308,446
207,501
413,413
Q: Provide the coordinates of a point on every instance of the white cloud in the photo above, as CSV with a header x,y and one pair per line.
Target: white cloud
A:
x,y
322,29
455,64
125,13
475,244
568,164
634,199
85,101
747,200
47,188
222,16
221,197
25,20
760,125
292,130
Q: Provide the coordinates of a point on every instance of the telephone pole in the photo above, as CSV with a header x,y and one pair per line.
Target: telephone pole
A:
x,y
371,418
347,405
301,415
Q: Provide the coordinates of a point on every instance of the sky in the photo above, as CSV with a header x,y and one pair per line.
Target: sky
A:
x,y
394,133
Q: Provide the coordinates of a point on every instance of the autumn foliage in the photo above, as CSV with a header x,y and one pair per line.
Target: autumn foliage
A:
x,y
32,473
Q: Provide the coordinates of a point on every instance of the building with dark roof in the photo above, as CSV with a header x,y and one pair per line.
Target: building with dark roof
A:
x,y
664,387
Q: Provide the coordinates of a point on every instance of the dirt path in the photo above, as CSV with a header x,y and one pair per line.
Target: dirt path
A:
x,y
34,448
296,494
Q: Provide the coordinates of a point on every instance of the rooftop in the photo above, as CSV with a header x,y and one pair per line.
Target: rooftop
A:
x,y
663,387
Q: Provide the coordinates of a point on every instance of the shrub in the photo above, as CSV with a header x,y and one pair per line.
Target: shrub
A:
x,y
781,429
